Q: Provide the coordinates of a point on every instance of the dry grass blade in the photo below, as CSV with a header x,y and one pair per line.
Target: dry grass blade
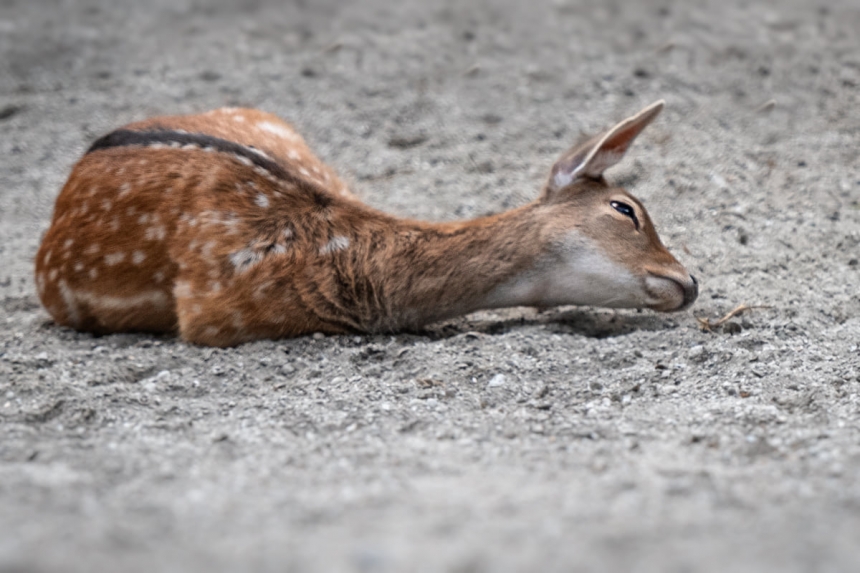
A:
x,y
708,326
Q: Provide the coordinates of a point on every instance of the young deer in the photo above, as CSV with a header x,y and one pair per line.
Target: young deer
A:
x,y
225,227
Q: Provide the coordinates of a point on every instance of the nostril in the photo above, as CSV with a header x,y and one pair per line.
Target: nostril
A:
x,y
691,292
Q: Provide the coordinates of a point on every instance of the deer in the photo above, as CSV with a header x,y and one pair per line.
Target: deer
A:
x,y
225,228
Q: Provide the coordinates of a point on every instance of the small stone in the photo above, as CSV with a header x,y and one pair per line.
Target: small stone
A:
x,y
496,381
697,353
9,110
732,327
405,141
542,391
287,369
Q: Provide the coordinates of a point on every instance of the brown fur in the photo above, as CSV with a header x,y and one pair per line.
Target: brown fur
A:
x,y
201,243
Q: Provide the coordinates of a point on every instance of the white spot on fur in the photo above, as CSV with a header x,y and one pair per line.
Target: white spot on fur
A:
x,y
93,273
337,243
93,249
158,146
262,201
106,205
47,257
155,233
275,129
259,152
158,276
293,154
114,258
71,303
304,172
143,219
182,289
68,243
52,276
124,189
138,257
242,159
155,298
237,320
260,291
245,259
40,283
79,267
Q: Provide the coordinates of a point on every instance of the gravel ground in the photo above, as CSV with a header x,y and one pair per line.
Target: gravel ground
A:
x,y
573,439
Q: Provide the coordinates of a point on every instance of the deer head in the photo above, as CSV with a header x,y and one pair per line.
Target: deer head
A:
x,y
601,246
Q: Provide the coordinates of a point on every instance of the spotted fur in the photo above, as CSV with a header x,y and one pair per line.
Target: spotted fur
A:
x,y
224,227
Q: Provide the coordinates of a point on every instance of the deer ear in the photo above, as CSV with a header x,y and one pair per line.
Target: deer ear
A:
x,y
592,158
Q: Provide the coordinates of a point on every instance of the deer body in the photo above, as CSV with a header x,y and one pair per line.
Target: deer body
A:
x,y
225,227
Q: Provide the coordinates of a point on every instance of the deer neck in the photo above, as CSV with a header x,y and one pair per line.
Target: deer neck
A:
x,y
438,271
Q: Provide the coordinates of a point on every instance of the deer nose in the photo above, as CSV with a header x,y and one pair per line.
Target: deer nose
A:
x,y
691,291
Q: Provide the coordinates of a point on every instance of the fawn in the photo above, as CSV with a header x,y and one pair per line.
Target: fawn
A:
x,y
225,227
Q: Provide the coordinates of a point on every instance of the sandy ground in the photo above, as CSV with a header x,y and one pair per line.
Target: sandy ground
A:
x,y
568,440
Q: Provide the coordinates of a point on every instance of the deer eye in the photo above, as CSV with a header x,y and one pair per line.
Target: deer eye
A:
x,y
625,210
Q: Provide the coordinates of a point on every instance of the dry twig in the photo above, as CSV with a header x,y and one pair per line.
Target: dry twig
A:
x,y
707,326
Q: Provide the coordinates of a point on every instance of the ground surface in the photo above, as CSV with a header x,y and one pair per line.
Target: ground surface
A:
x,y
569,440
